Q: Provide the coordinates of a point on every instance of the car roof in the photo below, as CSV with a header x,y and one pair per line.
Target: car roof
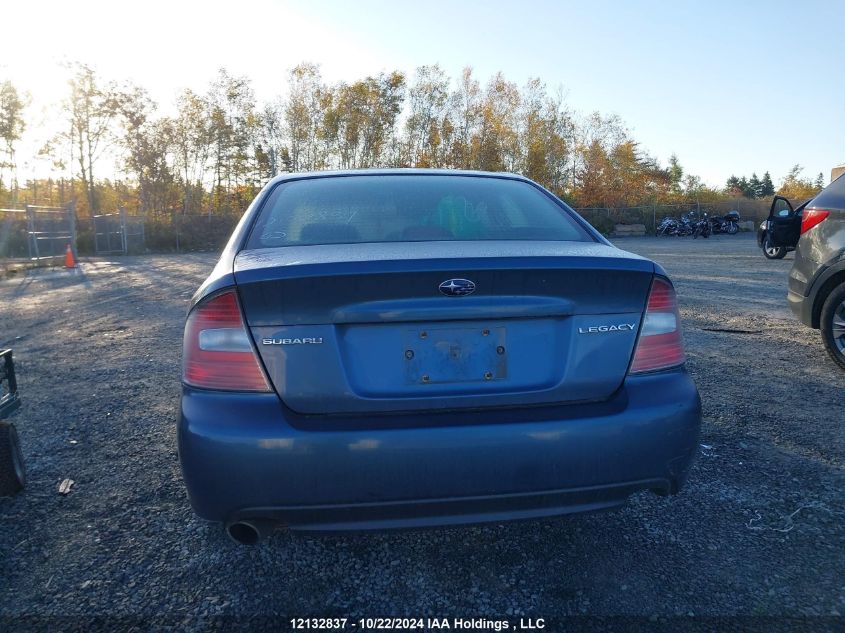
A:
x,y
400,171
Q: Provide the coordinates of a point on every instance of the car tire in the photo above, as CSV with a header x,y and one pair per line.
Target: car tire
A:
x,y
12,473
832,325
773,252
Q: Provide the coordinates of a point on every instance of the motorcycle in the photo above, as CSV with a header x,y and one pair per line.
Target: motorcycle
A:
x,y
728,223
701,227
686,226
667,226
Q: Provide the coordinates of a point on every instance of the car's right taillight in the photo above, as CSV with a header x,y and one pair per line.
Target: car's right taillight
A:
x,y
217,350
660,345
812,217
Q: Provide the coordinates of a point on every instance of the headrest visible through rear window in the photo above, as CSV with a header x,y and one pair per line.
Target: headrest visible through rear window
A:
x,y
326,233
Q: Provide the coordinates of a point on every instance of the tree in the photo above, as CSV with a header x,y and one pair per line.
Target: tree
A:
x,y
693,187
11,128
733,186
303,114
361,119
271,137
743,186
795,187
594,166
767,188
467,108
497,141
221,145
428,128
94,108
192,140
819,184
149,144
676,174
754,187
612,170
231,104
544,132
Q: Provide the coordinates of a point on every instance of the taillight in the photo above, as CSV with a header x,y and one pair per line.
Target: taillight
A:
x,y
660,345
217,351
811,217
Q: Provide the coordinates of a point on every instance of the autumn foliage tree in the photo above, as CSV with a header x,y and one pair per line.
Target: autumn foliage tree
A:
x,y
11,128
218,147
797,187
93,108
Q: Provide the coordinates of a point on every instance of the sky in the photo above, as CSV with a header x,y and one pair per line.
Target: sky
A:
x,y
730,87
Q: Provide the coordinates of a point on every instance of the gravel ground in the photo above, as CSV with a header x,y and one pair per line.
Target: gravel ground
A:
x,y
757,531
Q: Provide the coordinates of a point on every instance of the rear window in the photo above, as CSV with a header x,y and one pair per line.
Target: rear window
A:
x,y
831,197
412,208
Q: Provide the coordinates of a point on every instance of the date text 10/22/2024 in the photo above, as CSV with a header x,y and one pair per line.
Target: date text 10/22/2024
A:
x,y
417,624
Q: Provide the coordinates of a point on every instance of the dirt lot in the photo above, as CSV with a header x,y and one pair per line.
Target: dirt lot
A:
x,y
757,531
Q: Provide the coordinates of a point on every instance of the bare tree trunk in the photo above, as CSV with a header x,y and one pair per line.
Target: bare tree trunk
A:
x,y
187,186
84,171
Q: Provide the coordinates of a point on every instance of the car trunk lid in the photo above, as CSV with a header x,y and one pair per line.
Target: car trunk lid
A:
x,y
364,328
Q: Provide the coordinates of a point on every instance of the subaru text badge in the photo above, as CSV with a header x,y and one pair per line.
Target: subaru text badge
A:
x,y
457,287
307,340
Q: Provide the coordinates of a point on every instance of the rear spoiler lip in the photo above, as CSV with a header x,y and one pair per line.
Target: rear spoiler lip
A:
x,y
214,283
220,278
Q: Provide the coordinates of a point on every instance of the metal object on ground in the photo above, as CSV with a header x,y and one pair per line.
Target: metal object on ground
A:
x,y
12,472
9,399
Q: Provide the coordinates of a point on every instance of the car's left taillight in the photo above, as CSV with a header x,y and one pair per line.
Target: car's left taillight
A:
x,y
217,351
660,345
812,217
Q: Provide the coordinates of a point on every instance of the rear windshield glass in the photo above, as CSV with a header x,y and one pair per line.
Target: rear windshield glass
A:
x,y
353,209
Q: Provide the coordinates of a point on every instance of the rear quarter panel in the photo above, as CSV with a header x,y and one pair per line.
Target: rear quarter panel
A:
x,y
819,264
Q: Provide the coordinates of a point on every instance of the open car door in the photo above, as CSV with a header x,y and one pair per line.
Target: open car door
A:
x,y
784,223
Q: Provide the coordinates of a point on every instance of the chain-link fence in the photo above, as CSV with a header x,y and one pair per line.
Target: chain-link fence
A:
x,y
13,234
50,231
38,234
178,233
159,233
606,220
118,233
41,234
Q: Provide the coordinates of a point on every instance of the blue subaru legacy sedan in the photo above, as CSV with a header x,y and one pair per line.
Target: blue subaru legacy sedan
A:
x,y
408,348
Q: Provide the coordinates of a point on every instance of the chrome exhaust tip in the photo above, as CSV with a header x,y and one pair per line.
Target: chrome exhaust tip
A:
x,y
246,532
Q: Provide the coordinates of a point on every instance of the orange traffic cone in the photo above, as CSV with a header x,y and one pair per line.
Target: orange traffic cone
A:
x,y
70,262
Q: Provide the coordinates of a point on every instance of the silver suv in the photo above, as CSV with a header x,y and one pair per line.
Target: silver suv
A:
x,y
817,279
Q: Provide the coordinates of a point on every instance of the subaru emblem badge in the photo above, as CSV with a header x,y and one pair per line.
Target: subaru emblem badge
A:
x,y
457,287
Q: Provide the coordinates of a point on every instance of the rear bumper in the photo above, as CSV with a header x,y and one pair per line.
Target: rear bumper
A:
x,y
806,280
246,456
801,306
799,287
